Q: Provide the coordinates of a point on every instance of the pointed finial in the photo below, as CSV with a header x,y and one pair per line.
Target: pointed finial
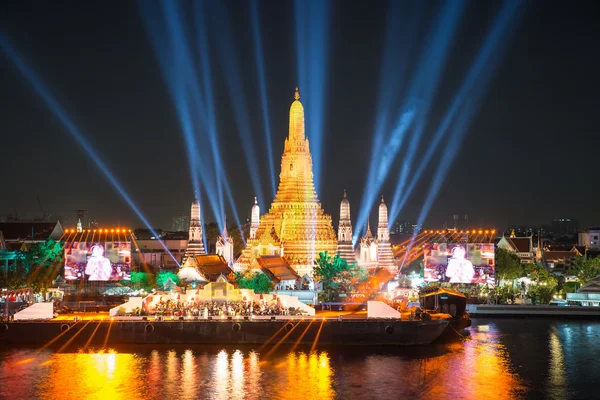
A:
x,y
382,199
255,201
344,193
297,94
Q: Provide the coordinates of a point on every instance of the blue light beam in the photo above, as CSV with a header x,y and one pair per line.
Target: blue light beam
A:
x,y
428,75
62,115
470,96
260,65
312,19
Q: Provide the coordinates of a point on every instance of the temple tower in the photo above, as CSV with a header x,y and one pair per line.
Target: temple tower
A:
x,y
224,247
295,224
254,219
195,244
385,255
344,247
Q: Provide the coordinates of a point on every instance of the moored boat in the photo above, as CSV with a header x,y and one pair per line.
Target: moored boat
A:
x,y
450,302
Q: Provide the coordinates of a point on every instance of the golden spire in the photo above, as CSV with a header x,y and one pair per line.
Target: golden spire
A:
x,y
296,119
345,193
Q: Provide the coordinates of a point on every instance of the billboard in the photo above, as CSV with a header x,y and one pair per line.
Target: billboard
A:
x,y
459,262
98,261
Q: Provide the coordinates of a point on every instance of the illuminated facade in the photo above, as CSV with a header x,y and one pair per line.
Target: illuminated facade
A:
x,y
385,255
368,249
295,226
344,245
224,247
377,252
254,219
195,245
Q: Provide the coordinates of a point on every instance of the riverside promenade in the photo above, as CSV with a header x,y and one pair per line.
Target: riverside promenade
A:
x,y
506,310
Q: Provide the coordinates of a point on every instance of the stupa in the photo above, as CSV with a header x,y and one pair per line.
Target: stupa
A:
x,y
344,246
295,227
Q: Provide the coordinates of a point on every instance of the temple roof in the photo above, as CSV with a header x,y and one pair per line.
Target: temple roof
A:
x,y
212,266
30,230
278,267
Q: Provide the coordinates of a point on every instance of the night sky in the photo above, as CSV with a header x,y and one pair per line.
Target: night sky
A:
x,y
530,153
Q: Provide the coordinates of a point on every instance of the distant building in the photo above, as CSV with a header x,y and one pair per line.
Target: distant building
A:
x,y
521,246
565,226
591,238
151,251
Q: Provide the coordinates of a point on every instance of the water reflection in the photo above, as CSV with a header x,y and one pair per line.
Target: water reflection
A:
x,y
493,363
556,369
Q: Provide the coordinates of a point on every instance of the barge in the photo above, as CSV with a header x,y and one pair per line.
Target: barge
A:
x,y
356,332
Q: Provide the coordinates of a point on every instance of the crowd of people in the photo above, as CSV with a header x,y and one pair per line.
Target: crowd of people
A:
x,y
219,309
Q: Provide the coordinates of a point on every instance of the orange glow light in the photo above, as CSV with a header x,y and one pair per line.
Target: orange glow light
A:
x,y
480,232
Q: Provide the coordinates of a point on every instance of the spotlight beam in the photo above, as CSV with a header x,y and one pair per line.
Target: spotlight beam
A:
x,y
254,14
237,94
312,21
470,95
428,76
45,93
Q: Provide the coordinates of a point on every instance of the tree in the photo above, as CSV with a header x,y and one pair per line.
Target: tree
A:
x,y
141,280
585,269
544,284
37,267
336,276
257,281
508,266
163,278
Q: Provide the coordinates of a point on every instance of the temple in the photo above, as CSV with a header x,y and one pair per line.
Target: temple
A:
x,y
344,245
377,252
195,245
295,226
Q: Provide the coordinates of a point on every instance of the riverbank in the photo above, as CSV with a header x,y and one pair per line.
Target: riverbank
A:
x,y
516,311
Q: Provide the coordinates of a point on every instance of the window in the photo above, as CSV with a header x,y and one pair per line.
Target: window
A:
x,y
291,167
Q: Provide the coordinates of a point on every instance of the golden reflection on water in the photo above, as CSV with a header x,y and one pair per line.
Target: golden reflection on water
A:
x,y
92,376
475,368
308,375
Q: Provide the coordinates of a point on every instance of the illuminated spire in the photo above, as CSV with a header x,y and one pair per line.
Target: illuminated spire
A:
x,y
254,219
344,247
296,119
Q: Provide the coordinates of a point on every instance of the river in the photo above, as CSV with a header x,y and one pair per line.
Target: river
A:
x,y
502,358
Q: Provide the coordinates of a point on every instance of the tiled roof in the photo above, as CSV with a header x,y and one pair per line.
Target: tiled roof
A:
x,y
278,267
559,255
22,230
523,245
212,266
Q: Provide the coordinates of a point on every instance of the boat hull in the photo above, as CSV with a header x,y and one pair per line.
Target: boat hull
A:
x,y
328,332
